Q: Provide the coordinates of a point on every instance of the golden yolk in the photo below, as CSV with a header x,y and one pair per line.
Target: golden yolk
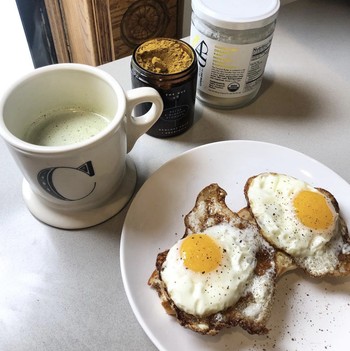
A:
x,y
312,210
200,253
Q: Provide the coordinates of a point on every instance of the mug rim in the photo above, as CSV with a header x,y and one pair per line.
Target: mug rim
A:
x,y
22,145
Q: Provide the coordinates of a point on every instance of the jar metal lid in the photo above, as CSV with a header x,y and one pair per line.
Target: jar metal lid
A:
x,y
237,14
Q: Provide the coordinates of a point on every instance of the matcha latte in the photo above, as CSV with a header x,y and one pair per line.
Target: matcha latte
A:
x,y
65,127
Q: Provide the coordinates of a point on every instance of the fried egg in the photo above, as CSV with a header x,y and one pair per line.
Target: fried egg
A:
x,y
207,272
299,219
220,274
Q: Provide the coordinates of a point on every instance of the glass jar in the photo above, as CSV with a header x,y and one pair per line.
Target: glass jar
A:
x,y
232,39
169,66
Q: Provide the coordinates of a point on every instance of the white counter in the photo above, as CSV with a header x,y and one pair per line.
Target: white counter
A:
x,y
62,290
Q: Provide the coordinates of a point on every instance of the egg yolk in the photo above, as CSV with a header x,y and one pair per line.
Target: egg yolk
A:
x,y
312,210
200,253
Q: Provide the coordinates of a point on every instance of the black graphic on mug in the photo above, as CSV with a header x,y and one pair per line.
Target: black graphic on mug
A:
x,y
68,183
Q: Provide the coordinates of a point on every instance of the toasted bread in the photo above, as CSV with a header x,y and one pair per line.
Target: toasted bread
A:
x,y
252,310
284,262
336,250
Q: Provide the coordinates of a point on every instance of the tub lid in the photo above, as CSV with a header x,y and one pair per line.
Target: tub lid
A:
x,y
237,14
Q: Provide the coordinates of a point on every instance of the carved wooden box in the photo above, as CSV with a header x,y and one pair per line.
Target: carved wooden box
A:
x,y
133,22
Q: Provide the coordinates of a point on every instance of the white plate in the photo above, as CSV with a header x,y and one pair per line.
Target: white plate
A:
x,y
308,314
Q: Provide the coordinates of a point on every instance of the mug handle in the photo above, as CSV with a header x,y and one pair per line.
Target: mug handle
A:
x,y
137,126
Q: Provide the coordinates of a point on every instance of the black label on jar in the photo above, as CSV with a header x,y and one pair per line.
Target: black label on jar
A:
x,y
178,112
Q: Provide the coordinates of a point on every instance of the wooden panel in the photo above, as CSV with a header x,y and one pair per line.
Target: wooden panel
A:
x,y
133,22
81,30
79,24
103,31
54,14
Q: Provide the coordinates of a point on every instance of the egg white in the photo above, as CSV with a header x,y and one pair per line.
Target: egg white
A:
x,y
203,294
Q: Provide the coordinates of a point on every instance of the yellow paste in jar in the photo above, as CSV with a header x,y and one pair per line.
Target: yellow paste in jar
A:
x,y
163,56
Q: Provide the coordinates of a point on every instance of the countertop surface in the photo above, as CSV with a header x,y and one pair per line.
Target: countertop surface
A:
x,y
62,290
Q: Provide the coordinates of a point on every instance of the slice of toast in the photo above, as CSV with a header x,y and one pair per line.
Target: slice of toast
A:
x,y
252,310
284,262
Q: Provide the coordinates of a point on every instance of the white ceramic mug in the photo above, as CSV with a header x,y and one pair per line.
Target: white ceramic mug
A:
x,y
88,178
